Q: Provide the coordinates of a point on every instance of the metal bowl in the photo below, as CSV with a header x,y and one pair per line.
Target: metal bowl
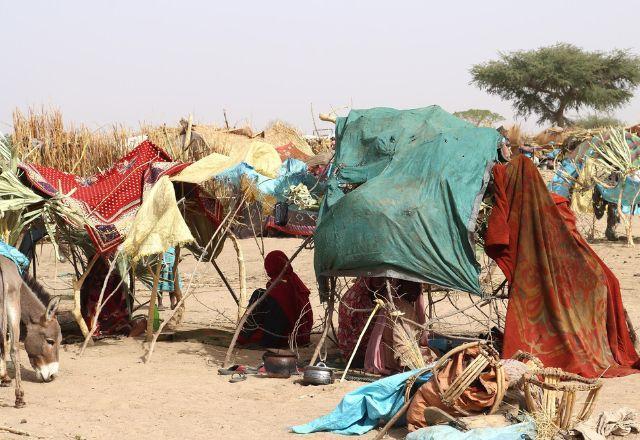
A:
x,y
280,363
318,375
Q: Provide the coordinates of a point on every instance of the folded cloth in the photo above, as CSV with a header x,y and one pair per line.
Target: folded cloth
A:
x,y
444,432
362,410
620,422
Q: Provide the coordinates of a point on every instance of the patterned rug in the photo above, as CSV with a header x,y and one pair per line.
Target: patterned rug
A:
x,y
109,200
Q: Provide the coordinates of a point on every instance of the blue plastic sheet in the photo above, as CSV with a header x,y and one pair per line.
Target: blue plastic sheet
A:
x,y
361,410
292,172
13,254
526,430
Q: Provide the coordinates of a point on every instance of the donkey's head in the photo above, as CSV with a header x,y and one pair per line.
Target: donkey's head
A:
x,y
43,340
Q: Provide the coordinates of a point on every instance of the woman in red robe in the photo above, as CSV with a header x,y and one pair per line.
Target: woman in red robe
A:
x,y
287,308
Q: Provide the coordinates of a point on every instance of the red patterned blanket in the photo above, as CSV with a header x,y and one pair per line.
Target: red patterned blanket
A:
x,y
109,200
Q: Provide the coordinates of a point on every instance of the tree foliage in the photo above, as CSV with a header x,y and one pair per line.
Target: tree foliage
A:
x,y
552,80
479,117
598,121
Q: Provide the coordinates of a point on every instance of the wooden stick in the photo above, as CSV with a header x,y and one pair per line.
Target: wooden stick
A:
x,y
226,283
177,290
100,304
152,300
226,122
15,431
353,354
187,135
77,287
325,330
252,307
242,274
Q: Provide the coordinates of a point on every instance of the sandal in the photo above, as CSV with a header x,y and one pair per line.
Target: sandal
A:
x,y
237,377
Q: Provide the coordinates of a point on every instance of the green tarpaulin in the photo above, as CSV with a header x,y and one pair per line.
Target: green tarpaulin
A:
x,y
419,176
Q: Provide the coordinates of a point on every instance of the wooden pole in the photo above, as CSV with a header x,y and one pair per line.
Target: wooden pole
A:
x,y
77,286
242,275
187,136
177,290
364,330
152,300
226,283
325,330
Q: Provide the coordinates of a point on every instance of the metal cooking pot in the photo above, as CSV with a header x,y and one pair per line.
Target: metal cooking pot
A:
x,y
280,363
318,375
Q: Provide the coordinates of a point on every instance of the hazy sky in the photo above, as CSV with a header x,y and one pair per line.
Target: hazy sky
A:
x,y
154,61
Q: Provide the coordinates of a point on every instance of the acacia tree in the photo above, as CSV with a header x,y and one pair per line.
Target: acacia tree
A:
x,y
479,117
552,80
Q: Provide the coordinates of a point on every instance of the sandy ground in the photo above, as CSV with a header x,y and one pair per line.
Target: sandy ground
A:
x,y
108,393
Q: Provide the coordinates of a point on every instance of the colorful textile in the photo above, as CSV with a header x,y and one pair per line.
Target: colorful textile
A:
x,y
352,319
108,200
564,304
290,151
386,343
13,254
204,169
299,223
166,281
403,198
525,430
114,317
158,225
291,300
363,409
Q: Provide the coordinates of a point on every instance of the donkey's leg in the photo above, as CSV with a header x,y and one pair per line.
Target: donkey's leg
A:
x,y
14,335
5,380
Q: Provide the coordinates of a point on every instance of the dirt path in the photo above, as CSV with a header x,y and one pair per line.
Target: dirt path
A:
x,y
110,394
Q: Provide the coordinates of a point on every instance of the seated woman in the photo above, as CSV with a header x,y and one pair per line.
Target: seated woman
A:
x,y
353,312
286,309
388,348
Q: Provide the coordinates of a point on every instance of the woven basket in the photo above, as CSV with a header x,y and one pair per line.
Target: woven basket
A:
x,y
556,393
488,356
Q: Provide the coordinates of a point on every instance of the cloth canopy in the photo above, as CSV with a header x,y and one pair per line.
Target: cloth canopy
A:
x,y
158,225
564,302
403,199
108,201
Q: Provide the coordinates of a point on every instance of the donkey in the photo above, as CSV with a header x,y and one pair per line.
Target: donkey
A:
x,y
22,300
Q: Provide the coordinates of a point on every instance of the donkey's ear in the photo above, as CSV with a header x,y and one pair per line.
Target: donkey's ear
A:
x,y
52,308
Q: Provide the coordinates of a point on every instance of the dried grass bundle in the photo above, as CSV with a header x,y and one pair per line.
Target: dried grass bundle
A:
x,y
280,133
546,429
515,135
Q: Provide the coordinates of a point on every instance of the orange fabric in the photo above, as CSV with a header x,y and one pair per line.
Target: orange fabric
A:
x,y
564,303
479,397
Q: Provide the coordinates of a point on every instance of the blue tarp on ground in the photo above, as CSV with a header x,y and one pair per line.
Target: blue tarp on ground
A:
x,y
513,432
361,410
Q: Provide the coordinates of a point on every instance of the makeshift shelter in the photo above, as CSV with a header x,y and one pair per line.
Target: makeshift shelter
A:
x,y
404,197
402,202
574,168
